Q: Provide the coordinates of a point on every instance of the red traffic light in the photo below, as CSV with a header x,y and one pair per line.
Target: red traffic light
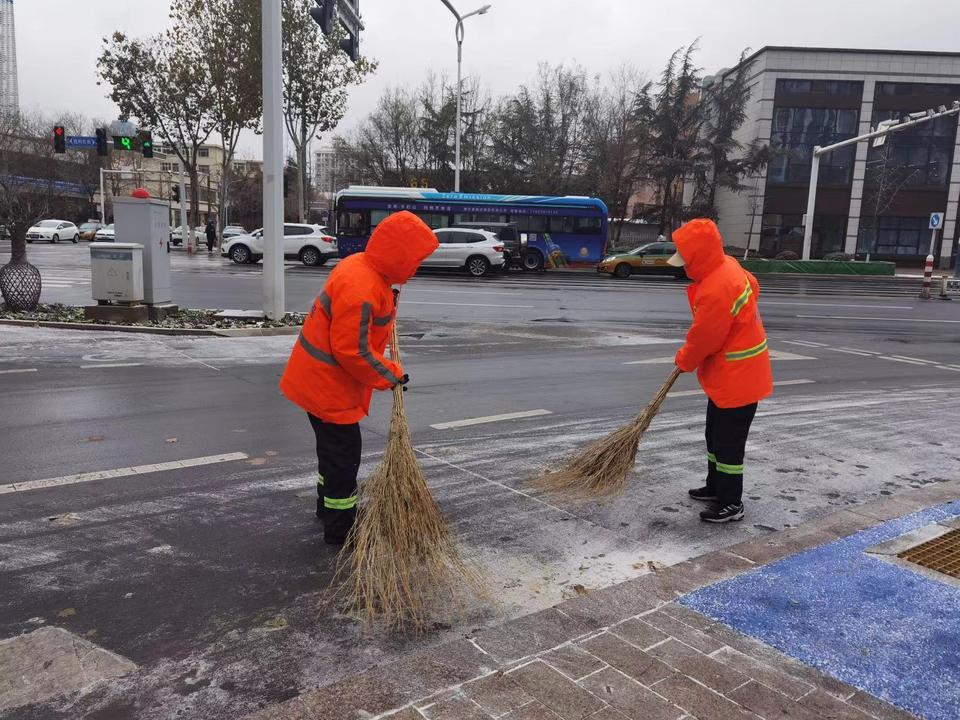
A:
x,y
58,131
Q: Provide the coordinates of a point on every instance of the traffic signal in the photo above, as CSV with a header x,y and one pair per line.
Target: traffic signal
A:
x,y
325,15
102,148
175,193
123,142
146,143
59,140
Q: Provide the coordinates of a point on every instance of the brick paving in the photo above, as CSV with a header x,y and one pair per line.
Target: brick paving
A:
x,y
629,651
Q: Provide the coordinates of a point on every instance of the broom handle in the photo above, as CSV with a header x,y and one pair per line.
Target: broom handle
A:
x,y
665,388
395,356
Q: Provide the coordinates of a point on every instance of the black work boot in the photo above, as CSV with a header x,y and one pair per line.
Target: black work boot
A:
x,y
705,493
723,513
338,525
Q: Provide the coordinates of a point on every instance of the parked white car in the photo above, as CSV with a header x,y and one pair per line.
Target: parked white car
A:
x,y
310,244
176,234
108,233
54,231
476,251
233,230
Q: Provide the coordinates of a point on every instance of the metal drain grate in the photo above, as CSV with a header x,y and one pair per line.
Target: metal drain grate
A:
x,y
941,554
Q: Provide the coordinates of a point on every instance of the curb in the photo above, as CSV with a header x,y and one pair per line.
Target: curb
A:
x,y
394,689
146,330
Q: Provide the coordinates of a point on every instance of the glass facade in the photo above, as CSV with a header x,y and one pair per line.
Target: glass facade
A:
x,y
919,157
796,130
785,232
894,236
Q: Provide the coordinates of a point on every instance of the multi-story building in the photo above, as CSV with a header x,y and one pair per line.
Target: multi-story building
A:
x,y
872,201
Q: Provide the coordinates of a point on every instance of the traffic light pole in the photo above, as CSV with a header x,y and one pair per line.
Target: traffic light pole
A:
x,y
186,239
273,290
103,200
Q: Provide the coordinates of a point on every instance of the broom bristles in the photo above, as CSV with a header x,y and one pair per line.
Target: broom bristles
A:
x,y
404,561
602,467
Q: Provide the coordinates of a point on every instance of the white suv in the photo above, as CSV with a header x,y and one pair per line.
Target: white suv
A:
x,y
476,251
310,244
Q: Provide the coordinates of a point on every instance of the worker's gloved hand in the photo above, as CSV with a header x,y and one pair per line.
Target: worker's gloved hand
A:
x,y
404,381
396,297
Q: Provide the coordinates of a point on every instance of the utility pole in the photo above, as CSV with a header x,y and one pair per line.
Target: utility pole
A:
x,y
186,239
273,289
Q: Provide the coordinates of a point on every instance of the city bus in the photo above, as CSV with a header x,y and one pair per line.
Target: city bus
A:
x,y
553,232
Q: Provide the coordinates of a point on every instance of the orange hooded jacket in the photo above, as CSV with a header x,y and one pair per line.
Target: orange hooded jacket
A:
x,y
338,359
726,343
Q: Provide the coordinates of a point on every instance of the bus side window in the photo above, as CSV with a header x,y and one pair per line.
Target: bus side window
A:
x,y
351,223
588,225
377,217
562,224
538,224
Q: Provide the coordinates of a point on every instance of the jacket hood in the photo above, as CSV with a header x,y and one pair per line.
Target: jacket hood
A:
x,y
701,246
399,244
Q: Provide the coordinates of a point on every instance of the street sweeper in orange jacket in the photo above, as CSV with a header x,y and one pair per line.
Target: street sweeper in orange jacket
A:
x,y
727,346
338,360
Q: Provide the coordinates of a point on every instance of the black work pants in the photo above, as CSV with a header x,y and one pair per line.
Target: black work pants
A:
x,y
338,462
726,432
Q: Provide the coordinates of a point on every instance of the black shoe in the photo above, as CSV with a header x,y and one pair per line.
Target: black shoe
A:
x,y
703,493
723,514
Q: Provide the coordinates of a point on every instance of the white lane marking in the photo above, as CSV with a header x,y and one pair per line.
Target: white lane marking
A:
x,y
490,418
851,352
426,302
109,365
900,360
774,355
919,360
813,304
781,383
459,292
865,352
876,319
17,371
948,367
805,343
121,472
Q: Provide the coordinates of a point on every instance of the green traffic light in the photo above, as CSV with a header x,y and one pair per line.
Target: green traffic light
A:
x,y
127,143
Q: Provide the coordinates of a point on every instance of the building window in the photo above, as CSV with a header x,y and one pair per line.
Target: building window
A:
x,y
890,88
169,167
894,236
780,233
918,157
204,152
240,168
795,133
829,87
203,169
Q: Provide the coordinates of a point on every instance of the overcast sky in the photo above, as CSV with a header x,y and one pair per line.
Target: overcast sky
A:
x,y
58,41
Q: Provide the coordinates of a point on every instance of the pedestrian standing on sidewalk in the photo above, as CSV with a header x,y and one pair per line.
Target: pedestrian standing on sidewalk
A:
x,y
339,359
211,235
727,346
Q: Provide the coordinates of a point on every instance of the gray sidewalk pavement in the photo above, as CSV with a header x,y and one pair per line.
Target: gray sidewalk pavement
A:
x,y
627,651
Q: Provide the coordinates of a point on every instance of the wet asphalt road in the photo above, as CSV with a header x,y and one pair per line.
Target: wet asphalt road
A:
x,y
211,578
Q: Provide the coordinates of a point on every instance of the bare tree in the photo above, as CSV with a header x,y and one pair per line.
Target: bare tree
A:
x,y
316,77
884,179
162,82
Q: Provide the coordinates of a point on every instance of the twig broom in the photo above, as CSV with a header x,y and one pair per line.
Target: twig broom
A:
x,y
401,559
602,468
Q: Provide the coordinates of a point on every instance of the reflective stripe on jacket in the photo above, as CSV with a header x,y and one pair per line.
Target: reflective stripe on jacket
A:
x,y
726,343
339,358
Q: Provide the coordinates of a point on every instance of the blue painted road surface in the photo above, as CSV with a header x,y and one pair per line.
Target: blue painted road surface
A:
x,y
875,625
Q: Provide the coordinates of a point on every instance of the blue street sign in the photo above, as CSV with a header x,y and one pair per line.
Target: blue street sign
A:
x,y
81,141
936,220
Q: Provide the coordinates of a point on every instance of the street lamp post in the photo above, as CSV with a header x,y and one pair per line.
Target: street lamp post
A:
x,y
459,35
273,290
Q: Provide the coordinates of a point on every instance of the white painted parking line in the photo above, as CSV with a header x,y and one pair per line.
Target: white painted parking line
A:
x,y
813,304
781,383
121,472
490,419
450,304
17,371
877,319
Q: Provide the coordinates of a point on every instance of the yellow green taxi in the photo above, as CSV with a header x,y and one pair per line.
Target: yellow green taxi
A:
x,y
650,258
